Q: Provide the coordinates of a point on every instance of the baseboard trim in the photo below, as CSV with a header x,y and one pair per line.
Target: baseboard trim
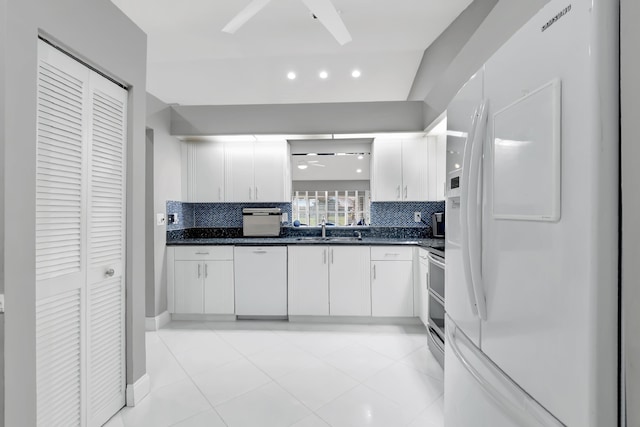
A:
x,y
357,320
204,317
155,323
138,391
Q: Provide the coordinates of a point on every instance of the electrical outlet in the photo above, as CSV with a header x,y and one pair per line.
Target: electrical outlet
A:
x,y
160,219
417,217
284,217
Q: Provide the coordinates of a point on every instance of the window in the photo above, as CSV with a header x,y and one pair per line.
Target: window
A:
x,y
338,207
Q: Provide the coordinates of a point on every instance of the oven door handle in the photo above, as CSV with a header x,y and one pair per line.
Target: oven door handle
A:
x,y
435,261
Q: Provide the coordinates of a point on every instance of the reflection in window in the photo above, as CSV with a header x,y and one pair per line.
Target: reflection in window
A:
x,y
338,207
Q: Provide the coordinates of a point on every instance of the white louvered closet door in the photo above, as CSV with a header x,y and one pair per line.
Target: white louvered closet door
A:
x,y
60,238
79,316
106,220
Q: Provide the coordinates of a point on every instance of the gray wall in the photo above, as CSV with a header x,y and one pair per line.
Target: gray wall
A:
x,y
96,31
445,48
167,186
630,114
506,17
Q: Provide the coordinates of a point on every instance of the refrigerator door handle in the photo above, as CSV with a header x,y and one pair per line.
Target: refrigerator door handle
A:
x,y
464,225
474,210
517,403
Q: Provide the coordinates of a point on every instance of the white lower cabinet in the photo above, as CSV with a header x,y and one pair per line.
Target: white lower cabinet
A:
x,y
329,280
349,281
308,272
201,280
392,281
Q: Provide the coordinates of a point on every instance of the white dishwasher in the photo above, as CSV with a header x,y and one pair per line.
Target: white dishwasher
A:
x,y
260,281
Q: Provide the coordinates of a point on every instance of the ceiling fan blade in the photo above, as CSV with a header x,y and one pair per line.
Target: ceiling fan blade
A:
x,y
328,16
247,13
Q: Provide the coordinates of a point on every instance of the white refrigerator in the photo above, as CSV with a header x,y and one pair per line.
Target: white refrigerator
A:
x,y
532,227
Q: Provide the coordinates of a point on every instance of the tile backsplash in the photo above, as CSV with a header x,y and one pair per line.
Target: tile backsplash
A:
x,y
400,214
383,214
201,215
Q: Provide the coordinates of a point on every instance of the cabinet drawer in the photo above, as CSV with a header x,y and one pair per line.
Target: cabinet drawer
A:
x,y
391,253
196,253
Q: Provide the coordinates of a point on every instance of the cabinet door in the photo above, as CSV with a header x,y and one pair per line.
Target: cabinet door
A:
x,y
187,290
441,166
349,281
387,170
414,169
239,184
270,170
309,280
392,288
206,171
218,287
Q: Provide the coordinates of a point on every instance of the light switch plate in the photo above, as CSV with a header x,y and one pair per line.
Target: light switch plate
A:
x,y
285,217
161,219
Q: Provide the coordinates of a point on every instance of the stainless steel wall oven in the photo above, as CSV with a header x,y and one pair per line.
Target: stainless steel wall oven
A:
x,y
436,305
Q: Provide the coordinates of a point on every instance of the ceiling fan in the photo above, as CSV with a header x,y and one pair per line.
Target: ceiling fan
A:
x,y
322,10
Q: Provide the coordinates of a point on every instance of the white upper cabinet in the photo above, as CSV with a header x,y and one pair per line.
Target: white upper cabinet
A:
x,y
400,170
257,171
414,169
387,170
271,177
237,171
239,182
437,147
205,171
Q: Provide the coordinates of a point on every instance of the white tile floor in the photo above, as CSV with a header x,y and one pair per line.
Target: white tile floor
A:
x,y
272,374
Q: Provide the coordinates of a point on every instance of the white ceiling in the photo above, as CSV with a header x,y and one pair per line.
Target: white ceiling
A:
x,y
192,62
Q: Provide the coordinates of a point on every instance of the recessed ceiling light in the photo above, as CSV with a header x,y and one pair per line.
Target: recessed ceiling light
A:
x,y
359,170
360,156
291,75
355,74
323,75
302,166
312,154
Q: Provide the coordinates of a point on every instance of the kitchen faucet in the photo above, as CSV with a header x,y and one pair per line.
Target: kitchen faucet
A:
x,y
323,224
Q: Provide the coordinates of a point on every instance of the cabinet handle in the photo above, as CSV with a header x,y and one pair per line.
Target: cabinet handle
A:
x,y
202,253
199,274
256,193
391,254
260,252
331,256
398,192
374,272
219,193
324,256
110,272
405,191
206,270
249,193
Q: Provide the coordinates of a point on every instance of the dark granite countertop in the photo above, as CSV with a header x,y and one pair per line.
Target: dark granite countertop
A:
x,y
371,236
